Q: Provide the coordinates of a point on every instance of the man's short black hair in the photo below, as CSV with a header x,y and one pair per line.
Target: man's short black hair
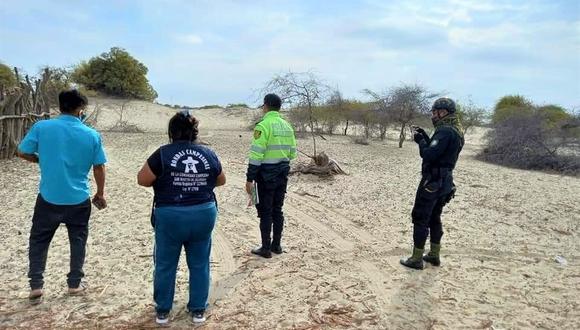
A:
x,y
273,102
70,101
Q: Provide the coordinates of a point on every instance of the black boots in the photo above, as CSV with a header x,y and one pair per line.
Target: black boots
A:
x,y
262,252
415,261
276,249
267,253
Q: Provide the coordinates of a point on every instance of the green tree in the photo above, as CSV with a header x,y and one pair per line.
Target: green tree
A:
x,y
510,106
7,76
58,80
115,73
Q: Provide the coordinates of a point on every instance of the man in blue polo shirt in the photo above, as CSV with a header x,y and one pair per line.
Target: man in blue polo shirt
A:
x,y
65,149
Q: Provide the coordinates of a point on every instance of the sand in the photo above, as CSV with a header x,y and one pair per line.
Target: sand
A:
x,y
343,240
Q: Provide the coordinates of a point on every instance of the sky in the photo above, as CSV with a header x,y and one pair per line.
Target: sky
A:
x,y
219,52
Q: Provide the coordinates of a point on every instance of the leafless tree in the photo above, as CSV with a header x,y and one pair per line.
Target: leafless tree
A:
x,y
471,115
299,90
402,105
381,107
92,118
123,125
336,111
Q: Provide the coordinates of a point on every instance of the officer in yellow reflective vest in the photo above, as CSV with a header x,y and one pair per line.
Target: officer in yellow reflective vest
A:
x,y
273,146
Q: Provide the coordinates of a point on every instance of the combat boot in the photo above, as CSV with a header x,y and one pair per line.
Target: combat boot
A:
x,y
415,261
262,252
433,256
277,249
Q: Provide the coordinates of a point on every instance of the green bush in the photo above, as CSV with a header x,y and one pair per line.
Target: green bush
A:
x,y
553,115
58,81
7,76
510,106
115,73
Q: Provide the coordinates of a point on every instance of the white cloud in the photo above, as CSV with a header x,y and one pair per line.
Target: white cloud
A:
x,y
191,39
486,36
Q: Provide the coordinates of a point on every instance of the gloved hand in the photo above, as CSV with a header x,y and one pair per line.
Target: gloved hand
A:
x,y
418,133
418,137
420,130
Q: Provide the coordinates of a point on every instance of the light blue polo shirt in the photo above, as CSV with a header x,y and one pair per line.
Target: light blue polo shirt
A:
x,y
66,149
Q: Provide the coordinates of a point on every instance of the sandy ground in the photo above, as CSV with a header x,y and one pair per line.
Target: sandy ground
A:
x,y
343,239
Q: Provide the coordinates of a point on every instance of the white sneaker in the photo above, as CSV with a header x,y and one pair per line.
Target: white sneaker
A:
x,y
162,318
198,317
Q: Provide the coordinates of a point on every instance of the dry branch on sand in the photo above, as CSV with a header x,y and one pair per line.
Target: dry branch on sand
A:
x,y
125,127
319,165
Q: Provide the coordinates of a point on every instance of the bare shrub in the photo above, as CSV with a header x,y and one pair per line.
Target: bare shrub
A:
x,y
360,140
122,125
401,105
255,119
300,119
92,118
471,115
526,141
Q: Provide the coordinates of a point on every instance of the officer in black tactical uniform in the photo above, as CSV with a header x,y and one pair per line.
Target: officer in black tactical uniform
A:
x,y
439,154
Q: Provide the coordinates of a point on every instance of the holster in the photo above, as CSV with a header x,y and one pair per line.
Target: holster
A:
x,y
432,180
450,196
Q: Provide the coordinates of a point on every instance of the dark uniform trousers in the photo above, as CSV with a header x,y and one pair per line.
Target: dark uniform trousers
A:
x,y
427,211
271,193
45,221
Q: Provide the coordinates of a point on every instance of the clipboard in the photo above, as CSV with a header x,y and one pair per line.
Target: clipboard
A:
x,y
253,198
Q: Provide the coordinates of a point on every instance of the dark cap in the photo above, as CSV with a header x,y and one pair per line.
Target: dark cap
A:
x,y
272,101
444,103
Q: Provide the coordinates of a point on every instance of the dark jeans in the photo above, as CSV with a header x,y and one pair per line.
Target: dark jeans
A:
x,y
271,193
426,214
45,221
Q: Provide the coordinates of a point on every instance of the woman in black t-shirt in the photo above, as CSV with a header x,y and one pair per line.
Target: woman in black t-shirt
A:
x,y
183,175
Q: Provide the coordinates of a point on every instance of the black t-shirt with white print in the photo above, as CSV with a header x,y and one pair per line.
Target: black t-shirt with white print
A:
x,y
186,174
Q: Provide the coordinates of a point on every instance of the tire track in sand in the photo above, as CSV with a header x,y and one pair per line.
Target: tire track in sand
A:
x,y
377,278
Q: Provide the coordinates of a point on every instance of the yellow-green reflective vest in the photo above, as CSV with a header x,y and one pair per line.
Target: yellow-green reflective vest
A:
x,y
274,141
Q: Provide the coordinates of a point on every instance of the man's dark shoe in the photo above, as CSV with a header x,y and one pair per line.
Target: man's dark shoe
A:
x,y
35,297
415,261
277,249
433,260
262,252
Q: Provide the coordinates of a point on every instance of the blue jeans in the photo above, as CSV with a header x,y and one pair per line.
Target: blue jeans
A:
x,y
191,227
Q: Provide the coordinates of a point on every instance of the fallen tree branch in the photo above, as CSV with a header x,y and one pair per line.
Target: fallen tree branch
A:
x,y
320,165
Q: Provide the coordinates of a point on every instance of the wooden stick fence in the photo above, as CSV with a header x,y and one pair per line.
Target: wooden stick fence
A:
x,y
20,107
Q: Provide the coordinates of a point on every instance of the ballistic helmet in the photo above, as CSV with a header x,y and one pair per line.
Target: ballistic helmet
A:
x,y
444,103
